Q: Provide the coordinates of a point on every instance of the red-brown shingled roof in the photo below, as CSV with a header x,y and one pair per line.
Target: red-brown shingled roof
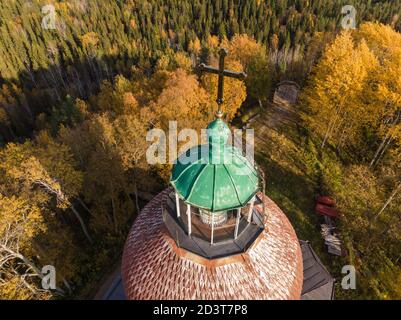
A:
x,y
153,267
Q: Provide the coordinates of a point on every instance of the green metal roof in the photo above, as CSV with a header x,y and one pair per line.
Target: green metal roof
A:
x,y
215,176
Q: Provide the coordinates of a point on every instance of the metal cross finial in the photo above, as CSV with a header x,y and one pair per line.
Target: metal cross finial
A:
x,y
221,72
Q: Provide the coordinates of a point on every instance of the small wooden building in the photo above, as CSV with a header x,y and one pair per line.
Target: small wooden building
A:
x,y
318,283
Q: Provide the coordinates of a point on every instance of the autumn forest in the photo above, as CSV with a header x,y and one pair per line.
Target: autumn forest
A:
x,y
77,100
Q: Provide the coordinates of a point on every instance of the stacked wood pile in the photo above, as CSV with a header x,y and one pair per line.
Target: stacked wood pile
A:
x,y
326,207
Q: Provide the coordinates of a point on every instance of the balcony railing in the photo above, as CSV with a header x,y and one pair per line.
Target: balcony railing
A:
x,y
239,231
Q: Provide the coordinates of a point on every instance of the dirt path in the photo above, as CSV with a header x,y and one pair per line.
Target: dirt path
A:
x,y
279,115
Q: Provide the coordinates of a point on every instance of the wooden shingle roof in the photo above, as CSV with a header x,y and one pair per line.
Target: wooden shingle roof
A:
x,y
154,268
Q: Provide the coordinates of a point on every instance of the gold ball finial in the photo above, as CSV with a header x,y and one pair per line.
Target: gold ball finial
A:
x,y
219,114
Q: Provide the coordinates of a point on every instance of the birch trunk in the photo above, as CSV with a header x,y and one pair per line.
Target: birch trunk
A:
x,y
384,144
136,193
84,205
390,198
379,150
384,150
61,197
29,264
82,223
330,128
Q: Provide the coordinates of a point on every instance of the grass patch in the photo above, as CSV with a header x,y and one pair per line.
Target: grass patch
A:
x,y
293,181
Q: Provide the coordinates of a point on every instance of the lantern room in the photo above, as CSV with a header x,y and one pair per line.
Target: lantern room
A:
x,y
211,210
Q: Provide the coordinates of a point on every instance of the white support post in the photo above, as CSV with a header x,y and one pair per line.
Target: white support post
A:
x,y
177,204
189,219
237,223
250,210
211,238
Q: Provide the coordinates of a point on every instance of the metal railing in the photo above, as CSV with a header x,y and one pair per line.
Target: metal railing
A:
x,y
195,227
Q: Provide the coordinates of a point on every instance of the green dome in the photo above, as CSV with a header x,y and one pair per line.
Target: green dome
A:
x,y
215,176
218,132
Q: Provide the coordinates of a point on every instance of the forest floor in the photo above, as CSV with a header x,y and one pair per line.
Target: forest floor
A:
x,y
288,159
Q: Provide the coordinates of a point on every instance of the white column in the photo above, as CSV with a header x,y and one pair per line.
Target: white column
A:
x,y
177,204
237,223
211,238
250,210
189,219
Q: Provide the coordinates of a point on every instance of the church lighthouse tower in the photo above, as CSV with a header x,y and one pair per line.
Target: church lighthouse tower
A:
x,y
214,196
212,234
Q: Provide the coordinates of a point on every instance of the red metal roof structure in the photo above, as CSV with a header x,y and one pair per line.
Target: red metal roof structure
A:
x,y
326,200
327,211
155,267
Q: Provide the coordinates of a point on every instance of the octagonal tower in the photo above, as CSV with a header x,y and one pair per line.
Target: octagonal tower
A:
x,y
213,234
